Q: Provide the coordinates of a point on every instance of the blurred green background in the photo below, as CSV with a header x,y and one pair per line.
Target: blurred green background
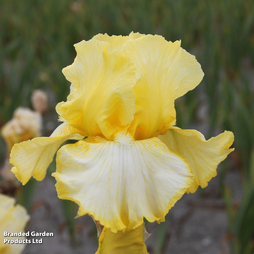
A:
x,y
36,42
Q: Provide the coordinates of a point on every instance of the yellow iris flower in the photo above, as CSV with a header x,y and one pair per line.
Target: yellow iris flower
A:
x,y
135,163
12,220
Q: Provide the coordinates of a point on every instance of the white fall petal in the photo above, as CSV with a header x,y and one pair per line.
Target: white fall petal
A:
x,y
120,182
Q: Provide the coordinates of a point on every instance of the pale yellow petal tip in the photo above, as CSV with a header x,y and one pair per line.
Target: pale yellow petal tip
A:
x,y
18,176
135,35
229,138
222,143
15,151
23,156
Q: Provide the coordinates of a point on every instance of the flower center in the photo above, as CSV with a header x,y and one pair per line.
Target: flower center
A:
x,y
123,138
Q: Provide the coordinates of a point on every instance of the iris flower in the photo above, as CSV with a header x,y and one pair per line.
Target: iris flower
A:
x,y
135,163
12,220
24,125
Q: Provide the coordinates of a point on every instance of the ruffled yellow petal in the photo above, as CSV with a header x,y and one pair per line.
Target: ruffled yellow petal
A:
x,y
127,242
202,155
32,158
120,182
167,72
101,100
12,220
116,42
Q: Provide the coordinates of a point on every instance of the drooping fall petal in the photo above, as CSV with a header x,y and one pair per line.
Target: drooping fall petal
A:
x,y
101,101
120,182
122,242
202,155
32,157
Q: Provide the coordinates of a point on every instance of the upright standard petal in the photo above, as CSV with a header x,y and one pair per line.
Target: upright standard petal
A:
x,y
167,72
120,182
122,242
12,220
116,41
101,100
32,158
202,155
